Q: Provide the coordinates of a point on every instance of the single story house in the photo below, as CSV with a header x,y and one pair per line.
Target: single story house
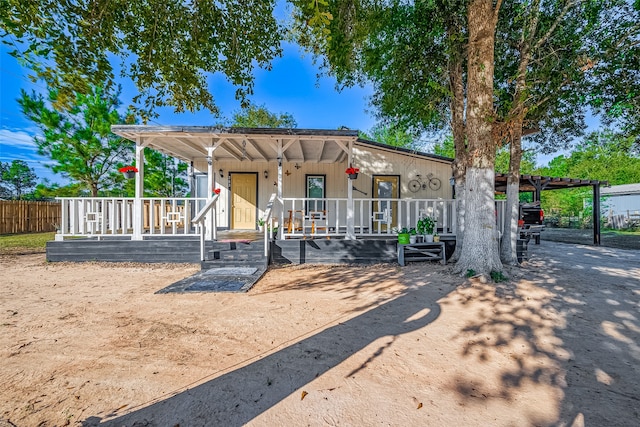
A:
x,y
295,180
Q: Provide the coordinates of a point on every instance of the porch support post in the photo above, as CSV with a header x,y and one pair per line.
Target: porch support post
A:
x,y
280,192
351,230
596,214
211,182
138,206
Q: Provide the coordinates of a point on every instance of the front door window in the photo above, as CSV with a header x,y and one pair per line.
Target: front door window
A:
x,y
315,190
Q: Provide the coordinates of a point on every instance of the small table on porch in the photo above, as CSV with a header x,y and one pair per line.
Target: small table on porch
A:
x,y
421,252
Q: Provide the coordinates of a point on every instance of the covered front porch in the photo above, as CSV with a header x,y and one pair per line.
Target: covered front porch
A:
x,y
290,183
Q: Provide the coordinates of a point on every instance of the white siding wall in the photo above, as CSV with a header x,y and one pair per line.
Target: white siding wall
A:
x,y
370,161
381,162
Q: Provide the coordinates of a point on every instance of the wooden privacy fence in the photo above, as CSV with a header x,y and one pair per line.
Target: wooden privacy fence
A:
x,y
23,216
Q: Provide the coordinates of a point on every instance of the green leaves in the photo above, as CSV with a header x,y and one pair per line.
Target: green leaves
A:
x,y
254,116
79,138
15,178
167,47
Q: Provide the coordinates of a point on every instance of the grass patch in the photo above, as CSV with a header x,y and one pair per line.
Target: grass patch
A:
x,y
35,242
635,232
498,277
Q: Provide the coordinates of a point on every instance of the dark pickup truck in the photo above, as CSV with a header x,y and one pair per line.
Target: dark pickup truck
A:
x,y
531,218
531,213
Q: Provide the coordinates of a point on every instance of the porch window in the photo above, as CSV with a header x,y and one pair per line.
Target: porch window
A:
x,y
315,190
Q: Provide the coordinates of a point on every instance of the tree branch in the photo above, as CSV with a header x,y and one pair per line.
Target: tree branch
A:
x,y
555,24
496,12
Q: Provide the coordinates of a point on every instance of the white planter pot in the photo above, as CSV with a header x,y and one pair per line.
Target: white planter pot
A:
x,y
428,238
413,239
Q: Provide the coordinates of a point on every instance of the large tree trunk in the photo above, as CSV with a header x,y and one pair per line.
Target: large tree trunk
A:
x,y
479,252
456,81
508,250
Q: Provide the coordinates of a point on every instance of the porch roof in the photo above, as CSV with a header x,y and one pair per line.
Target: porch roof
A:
x,y
255,144
537,182
243,144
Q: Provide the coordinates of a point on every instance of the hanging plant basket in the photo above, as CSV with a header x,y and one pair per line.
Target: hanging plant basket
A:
x,y
352,172
129,172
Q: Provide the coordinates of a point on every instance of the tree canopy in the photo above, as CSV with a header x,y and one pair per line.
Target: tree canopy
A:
x,y
167,47
393,135
16,178
602,155
258,116
78,138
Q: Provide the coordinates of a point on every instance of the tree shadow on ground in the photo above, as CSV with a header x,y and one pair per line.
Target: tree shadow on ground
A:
x,y
236,397
576,340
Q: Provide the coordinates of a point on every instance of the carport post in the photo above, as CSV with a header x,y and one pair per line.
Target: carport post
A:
x,y
596,214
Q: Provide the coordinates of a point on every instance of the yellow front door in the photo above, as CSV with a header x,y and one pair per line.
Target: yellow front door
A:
x,y
385,211
243,201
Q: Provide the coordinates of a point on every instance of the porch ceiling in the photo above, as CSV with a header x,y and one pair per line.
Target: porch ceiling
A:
x,y
242,144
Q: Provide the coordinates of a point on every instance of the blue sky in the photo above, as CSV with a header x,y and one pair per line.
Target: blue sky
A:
x,y
290,87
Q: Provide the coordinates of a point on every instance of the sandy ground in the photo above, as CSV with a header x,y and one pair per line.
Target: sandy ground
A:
x,y
84,344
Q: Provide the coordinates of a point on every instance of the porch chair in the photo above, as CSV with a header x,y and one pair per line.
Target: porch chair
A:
x,y
314,221
295,221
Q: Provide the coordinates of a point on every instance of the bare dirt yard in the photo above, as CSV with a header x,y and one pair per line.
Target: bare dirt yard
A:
x,y
557,345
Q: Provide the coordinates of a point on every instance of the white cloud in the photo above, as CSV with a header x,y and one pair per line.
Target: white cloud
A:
x,y
18,139
19,145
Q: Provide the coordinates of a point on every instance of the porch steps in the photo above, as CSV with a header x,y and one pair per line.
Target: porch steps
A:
x,y
233,266
235,254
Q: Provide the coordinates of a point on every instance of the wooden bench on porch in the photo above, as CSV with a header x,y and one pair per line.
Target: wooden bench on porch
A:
x,y
421,252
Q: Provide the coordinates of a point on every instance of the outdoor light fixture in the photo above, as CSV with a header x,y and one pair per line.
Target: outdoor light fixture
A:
x,y
279,161
266,174
221,172
209,161
452,181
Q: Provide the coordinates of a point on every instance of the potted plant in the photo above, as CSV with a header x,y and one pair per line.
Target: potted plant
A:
x,y
425,226
403,236
260,224
413,236
352,172
128,171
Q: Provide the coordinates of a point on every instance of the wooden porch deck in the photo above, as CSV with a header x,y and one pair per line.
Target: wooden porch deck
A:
x,y
187,249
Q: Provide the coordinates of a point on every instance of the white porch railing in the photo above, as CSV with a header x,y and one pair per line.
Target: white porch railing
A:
x,y
200,219
300,217
268,222
114,216
372,217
